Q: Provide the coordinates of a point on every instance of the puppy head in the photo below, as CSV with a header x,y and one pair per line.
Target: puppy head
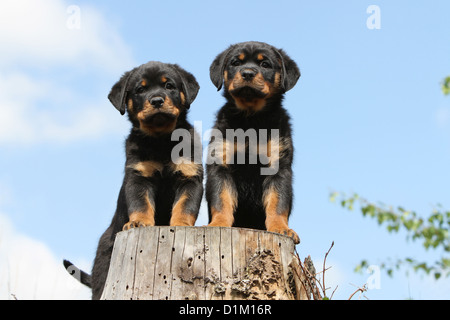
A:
x,y
154,94
252,73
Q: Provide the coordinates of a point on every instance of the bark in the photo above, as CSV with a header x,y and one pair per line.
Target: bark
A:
x,y
205,263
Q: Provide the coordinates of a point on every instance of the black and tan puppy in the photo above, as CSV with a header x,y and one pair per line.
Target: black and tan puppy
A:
x,y
157,189
255,77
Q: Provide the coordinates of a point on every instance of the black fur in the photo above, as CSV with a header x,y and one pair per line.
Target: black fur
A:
x,y
245,180
78,274
151,180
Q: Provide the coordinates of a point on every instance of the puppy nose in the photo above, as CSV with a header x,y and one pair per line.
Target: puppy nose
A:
x,y
248,74
157,102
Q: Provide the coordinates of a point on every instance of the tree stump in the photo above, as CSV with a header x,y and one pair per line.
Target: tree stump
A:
x,y
204,263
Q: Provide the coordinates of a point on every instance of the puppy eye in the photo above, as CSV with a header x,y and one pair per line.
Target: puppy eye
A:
x,y
169,86
139,89
265,64
236,63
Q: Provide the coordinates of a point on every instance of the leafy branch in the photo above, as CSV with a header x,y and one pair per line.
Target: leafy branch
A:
x,y
432,231
446,86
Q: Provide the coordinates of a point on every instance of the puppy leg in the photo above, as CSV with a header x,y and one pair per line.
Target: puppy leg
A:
x,y
277,200
187,202
140,198
221,195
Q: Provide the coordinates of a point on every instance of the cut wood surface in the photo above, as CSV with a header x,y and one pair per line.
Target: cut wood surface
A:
x,y
203,263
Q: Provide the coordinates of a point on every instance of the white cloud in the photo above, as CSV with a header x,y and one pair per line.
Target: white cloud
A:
x,y
29,270
37,42
335,277
37,32
23,120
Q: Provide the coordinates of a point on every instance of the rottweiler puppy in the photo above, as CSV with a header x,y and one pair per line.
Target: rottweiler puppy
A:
x,y
255,76
158,188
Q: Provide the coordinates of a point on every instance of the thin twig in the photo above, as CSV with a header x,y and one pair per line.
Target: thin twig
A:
x,y
295,268
362,290
332,294
323,271
324,261
315,288
306,273
308,276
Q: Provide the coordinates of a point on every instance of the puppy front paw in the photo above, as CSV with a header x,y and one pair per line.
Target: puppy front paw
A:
x,y
139,220
133,224
287,232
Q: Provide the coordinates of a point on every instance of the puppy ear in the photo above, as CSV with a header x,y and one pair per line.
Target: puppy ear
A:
x,y
190,85
118,93
290,72
217,68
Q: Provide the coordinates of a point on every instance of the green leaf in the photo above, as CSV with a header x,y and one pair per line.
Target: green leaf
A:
x,y
446,86
431,231
446,262
363,264
371,210
408,224
333,196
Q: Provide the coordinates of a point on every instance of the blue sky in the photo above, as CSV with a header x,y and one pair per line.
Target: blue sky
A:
x,y
368,117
